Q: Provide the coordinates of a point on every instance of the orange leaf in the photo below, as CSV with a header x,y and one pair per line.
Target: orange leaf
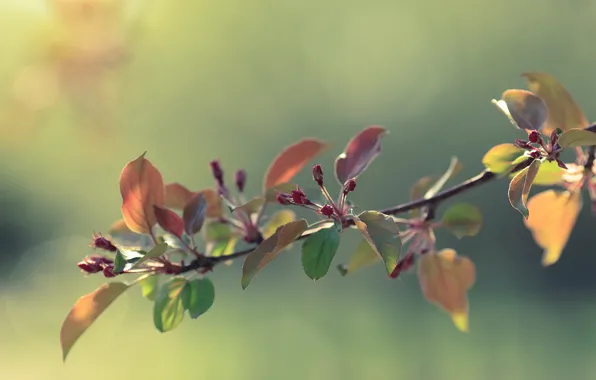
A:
x,y
563,112
291,160
85,312
552,217
141,187
177,196
445,279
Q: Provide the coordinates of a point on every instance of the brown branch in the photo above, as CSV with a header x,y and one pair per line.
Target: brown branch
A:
x,y
433,202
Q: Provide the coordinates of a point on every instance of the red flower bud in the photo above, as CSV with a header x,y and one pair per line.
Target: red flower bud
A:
x,y
102,243
534,137
349,186
89,268
240,180
317,174
284,199
535,154
108,271
217,172
299,197
327,210
522,144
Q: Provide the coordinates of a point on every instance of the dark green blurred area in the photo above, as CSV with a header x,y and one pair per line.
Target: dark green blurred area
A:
x,y
239,80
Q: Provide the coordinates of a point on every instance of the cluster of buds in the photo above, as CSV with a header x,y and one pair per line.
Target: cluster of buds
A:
x,y
332,209
97,263
218,175
537,147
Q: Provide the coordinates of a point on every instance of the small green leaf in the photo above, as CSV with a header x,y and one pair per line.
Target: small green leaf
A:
x,y
169,306
156,251
454,167
463,219
149,287
251,207
318,251
363,256
382,233
500,159
85,311
523,108
119,263
520,186
270,248
573,138
202,295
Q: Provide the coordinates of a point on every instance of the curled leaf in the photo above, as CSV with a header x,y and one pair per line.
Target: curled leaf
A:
x,y
563,112
194,214
520,186
573,138
500,159
291,160
363,256
85,311
170,302
552,217
382,233
360,151
445,279
169,221
270,248
524,109
141,187
277,220
318,251
463,219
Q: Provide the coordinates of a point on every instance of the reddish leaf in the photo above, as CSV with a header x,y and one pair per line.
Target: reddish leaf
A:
x,y
177,196
85,312
291,160
169,221
552,217
563,112
194,214
445,279
359,153
141,187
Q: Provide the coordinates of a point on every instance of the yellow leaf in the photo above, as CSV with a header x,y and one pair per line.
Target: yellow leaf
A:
x,y
563,112
552,217
445,279
277,220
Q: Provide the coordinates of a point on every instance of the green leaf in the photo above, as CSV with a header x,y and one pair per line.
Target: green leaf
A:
x,y
500,159
270,248
382,233
577,137
169,306
463,219
119,262
220,239
149,287
363,256
454,167
520,186
85,311
202,295
251,207
318,251
277,220
156,251
523,108
418,190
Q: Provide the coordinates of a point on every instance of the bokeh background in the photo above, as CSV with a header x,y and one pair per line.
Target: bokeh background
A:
x,y
87,85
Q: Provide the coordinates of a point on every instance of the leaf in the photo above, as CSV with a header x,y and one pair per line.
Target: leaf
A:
x,y
548,174
500,159
202,295
123,237
252,206
454,167
563,112
149,287
270,248
141,187
524,109
318,251
277,220
363,256
382,233
271,194
445,279
577,137
291,160
552,217
169,221
169,306
220,239
418,190
177,196
360,151
463,219
194,214
85,311
155,252
520,186
119,263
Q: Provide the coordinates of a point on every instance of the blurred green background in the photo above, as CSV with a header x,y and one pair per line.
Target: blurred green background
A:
x,y
86,86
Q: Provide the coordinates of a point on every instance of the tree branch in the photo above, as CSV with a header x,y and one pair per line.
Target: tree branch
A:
x,y
433,202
